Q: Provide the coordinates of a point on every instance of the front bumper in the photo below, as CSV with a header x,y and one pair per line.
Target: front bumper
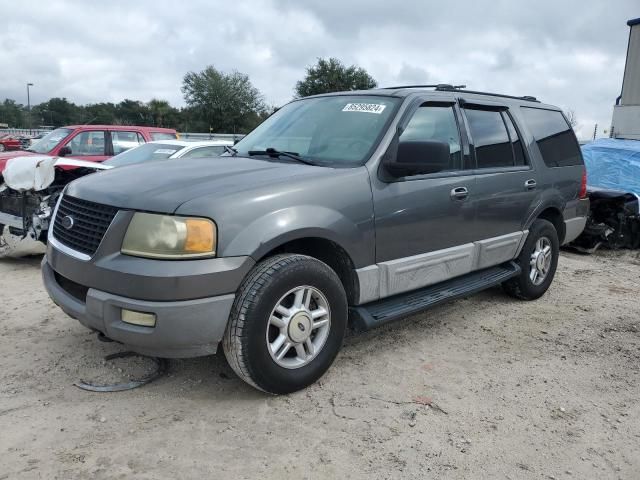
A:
x,y
187,328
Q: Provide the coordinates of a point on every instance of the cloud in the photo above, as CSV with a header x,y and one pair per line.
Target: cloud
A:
x,y
566,53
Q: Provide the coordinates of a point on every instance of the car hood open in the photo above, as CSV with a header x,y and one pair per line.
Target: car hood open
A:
x,y
163,186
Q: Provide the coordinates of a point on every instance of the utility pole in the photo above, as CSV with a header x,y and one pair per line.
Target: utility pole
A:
x,y
29,105
595,131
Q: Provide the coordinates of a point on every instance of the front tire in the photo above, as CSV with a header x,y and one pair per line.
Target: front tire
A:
x,y
538,261
287,323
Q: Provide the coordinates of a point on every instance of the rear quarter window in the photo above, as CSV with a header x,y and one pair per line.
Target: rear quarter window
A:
x,y
555,138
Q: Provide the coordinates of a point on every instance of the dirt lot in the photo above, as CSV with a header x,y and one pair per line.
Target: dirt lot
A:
x,y
547,389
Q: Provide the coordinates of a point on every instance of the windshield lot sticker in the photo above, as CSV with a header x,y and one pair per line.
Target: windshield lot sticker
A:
x,y
165,151
364,107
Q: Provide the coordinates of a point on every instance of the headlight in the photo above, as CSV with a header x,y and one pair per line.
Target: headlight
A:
x,y
164,236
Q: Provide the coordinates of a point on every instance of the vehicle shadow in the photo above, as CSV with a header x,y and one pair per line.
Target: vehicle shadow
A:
x,y
17,262
213,379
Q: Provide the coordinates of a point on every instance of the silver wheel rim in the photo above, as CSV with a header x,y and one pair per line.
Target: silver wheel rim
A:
x,y
298,327
541,261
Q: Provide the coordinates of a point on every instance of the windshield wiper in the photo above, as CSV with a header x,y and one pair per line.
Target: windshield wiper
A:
x,y
272,152
230,150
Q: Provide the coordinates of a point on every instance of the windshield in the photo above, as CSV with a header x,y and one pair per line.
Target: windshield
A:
x,y
144,153
50,140
333,131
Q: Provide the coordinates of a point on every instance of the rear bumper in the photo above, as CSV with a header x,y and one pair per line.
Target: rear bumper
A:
x,y
187,328
574,226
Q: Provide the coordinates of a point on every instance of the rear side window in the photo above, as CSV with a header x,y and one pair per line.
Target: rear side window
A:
x,y
123,141
554,136
163,136
490,138
516,143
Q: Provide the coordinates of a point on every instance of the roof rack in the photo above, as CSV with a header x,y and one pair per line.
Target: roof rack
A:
x,y
439,86
444,87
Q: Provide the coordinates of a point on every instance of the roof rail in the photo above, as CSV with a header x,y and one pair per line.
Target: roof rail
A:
x,y
444,87
527,98
439,86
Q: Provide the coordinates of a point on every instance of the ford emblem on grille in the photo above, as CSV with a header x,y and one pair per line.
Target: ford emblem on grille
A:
x,y
67,222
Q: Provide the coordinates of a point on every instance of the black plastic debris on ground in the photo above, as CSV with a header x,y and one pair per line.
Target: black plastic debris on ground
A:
x,y
161,363
613,222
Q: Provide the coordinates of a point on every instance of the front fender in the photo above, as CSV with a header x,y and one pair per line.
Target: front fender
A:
x,y
292,223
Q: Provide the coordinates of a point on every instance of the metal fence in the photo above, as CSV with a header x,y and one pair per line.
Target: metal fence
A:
x,y
188,136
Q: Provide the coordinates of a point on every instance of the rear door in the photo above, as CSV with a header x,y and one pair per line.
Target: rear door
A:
x,y
506,183
123,140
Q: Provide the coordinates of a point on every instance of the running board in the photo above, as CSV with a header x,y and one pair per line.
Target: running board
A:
x,y
374,314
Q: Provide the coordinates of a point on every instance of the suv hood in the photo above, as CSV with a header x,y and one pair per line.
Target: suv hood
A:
x,y
164,185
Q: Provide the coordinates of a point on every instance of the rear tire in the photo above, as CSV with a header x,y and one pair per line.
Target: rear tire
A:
x,y
287,323
538,261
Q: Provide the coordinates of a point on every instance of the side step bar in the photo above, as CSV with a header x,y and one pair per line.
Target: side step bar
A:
x,y
374,314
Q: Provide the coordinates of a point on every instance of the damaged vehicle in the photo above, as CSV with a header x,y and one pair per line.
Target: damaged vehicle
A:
x,y
32,185
613,176
356,208
29,190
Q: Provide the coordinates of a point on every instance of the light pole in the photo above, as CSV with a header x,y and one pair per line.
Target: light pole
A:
x,y
29,105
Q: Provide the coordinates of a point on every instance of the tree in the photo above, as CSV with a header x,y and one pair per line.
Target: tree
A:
x,y
332,76
227,102
12,113
159,110
571,117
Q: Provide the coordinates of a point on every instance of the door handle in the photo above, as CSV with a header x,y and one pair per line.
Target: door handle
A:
x,y
530,184
459,193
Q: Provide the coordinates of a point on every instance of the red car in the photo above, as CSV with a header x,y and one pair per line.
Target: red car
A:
x,y
7,142
95,143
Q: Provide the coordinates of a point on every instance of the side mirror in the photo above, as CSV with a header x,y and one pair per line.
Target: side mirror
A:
x,y
64,151
419,158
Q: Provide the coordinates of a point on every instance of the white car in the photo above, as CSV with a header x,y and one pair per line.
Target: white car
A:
x,y
168,149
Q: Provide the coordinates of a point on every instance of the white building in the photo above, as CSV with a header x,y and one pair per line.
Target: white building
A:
x,y
626,113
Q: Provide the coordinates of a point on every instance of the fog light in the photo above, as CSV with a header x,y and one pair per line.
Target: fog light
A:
x,y
138,318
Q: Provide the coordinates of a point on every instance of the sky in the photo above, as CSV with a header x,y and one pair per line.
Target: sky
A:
x,y
568,53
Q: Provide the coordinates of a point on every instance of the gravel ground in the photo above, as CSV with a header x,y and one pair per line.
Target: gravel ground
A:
x,y
485,387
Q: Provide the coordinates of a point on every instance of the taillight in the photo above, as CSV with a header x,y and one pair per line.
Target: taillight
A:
x,y
583,185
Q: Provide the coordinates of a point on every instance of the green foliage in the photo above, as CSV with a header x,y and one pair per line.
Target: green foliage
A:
x,y
12,113
332,76
225,101
58,112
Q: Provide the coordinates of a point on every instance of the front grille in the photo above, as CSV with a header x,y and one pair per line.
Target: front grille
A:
x,y
90,222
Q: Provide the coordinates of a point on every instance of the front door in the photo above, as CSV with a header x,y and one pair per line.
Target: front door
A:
x,y
424,223
89,145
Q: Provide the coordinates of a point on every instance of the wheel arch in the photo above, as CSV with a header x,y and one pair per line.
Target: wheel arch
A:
x,y
554,215
324,249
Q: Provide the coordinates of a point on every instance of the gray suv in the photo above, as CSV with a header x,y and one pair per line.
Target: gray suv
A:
x,y
351,208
